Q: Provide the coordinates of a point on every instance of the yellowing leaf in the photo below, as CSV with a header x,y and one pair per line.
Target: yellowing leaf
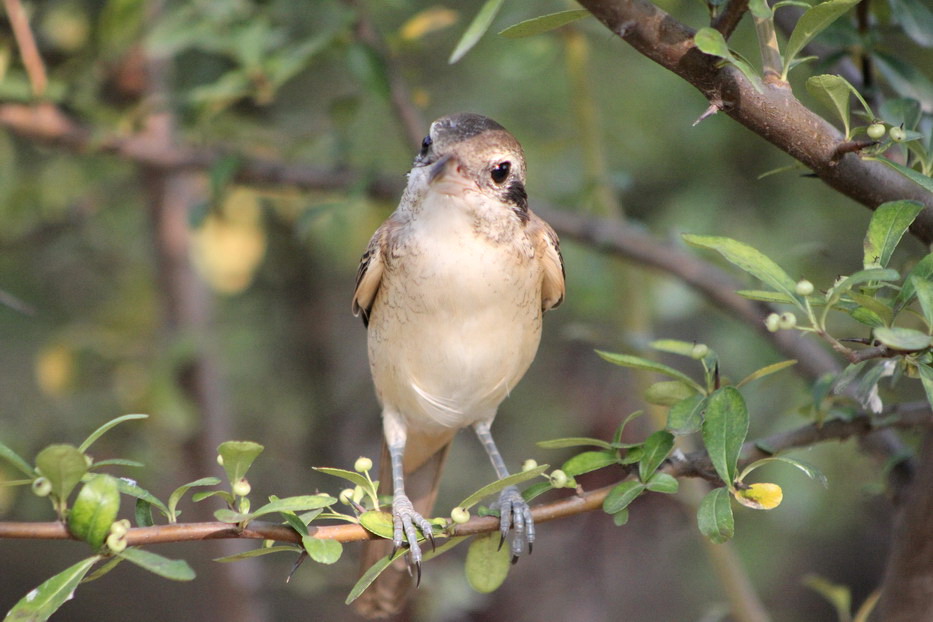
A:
x,y
230,245
55,370
427,21
761,496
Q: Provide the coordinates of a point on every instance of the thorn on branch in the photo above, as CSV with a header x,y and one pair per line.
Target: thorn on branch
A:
x,y
850,146
714,107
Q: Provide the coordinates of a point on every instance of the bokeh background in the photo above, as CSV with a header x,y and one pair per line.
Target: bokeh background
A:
x,y
248,335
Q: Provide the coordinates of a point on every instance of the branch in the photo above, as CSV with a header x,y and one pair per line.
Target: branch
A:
x,y
26,43
696,464
774,114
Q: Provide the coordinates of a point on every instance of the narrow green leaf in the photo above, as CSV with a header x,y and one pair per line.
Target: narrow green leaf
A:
x,y
266,550
13,458
95,509
924,291
926,378
813,22
589,461
902,339
543,23
497,486
617,436
174,569
686,416
663,483
714,517
811,471
536,490
834,92
142,512
622,496
574,441
906,78
487,564
238,457
913,175
766,371
117,462
724,431
207,494
750,260
860,278
129,487
636,362
288,504
64,466
837,595
916,19
710,41
922,271
668,392
112,563
371,574
656,448
180,492
377,522
353,477
96,434
674,346
322,551
888,224
476,29
876,307
760,9
764,295
39,604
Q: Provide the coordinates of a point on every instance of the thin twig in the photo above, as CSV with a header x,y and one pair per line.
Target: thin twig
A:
x,y
727,21
28,50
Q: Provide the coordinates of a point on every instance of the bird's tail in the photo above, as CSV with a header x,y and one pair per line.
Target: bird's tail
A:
x,y
389,592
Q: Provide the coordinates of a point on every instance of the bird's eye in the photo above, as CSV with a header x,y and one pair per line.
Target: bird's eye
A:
x,y
425,145
500,172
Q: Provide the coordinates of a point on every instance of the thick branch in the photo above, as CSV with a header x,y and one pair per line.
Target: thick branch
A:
x,y
774,114
696,464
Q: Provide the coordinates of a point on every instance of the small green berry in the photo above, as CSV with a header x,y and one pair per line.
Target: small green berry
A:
x,y
362,465
42,487
346,496
116,544
699,351
119,528
220,460
787,320
241,488
529,464
772,322
459,515
559,479
897,134
804,287
876,130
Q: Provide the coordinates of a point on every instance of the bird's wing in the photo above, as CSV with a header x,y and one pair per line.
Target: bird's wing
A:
x,y
369,274
547,248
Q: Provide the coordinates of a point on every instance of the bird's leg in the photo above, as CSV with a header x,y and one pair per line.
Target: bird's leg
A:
x,y
404,516
514,513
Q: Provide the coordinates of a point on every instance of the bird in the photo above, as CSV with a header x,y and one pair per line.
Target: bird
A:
x,y
452,289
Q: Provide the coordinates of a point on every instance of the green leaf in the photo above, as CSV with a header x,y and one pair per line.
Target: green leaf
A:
x,y
369,68
288,504
536,490
860,278
916,19
476,29
39,604
487,564
663,483
907,79
353,477
888,224
926,378
266,550
371,574
923,271
872,305
811,471
617,435
96,434
913,175
764,295
750,260
95,509
574,441
238,456
179,492
620,518
710,41
656,448
668,393
589,461
63,466
724,431
543,23
621,496
377,522
837,595
714,517
142,512
812,23
766,371
117,462
322,551
112,563
924,291
902,339
174,569
760,9
686,416
636,362
834,92
129,487
13,458
674,346
497,486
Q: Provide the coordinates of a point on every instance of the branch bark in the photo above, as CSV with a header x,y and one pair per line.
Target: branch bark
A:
x,y
774,114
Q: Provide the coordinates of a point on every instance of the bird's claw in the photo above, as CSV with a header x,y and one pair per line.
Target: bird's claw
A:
x,y
515,517
406,522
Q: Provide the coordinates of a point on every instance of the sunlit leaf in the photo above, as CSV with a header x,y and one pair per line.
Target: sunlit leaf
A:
x,y
760,496
888,224
476,29
429,20
487,564
543,23
714,516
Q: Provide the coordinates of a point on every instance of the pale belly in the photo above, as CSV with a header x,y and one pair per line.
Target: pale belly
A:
x,y
453,329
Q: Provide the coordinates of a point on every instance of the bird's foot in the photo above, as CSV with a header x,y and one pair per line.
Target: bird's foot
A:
x,y
515,516
406,522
